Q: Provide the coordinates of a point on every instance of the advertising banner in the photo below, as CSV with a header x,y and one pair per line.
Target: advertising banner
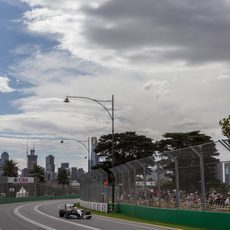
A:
x,y
21,180
103,207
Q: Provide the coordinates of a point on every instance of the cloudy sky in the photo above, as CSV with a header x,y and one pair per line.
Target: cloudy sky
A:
x,y
166,63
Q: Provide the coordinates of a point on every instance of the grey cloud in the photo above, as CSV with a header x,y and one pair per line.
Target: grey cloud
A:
x,y
191,126
197,31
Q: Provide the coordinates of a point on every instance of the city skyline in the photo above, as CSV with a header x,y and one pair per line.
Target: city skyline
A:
x,y
49,161
41,158
166,63
45,147
223,170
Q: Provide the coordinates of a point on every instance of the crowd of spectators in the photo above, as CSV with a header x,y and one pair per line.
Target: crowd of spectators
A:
x,y
167,199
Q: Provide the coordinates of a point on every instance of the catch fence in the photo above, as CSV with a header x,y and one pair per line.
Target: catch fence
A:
x,y
36,189
196,177
94,186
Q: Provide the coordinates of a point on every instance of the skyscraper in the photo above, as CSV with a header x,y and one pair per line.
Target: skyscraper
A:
x,y
50,167
31,159
65,165
80,172
74,173
4,158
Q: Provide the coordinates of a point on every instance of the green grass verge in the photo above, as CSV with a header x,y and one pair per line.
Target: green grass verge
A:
x,y
124,217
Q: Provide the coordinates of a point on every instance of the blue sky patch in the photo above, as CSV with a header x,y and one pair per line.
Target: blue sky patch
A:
x,y
13,35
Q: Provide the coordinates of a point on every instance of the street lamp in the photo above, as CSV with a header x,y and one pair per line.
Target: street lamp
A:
x,y
84,145
111,115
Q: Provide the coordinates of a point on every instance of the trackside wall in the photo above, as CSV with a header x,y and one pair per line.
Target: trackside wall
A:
x,y
8,200
201,219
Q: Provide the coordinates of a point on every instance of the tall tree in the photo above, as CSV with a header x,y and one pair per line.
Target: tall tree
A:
x,y
225,125
128,146
39,173
188,161
63,177
10,168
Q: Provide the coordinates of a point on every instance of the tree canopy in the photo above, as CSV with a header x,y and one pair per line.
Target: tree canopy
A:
x,y
39,173
188,161
10,168
225,126
127,146
173,141
63,177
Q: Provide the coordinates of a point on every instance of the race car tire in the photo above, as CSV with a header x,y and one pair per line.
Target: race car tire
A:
x,y
67,214
61,212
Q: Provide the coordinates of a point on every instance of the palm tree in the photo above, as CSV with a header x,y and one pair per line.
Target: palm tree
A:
x,y
10,168
39,173
63,177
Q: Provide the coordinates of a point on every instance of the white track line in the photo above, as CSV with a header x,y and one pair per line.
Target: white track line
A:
x,y
16,211
135,223
130,223
69,222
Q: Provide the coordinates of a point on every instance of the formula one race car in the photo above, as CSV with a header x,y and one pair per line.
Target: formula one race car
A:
x,y
72,211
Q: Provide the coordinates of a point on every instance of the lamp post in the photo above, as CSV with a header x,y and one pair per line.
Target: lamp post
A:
x,y
111,115
84,145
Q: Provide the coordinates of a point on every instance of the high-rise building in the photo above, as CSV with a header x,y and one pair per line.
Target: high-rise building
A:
x,y
50,167
25,172
31,159
80,172
65,165
74,173
3,159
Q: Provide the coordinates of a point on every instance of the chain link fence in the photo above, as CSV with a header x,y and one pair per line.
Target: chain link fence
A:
x,y
94,186
196,177
36,189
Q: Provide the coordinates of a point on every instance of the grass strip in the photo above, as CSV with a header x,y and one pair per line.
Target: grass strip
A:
x,y
139,220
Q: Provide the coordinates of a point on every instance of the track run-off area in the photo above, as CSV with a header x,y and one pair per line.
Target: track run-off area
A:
x,y
44,215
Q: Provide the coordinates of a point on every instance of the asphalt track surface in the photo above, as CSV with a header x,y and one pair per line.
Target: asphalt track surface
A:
x,y
43,215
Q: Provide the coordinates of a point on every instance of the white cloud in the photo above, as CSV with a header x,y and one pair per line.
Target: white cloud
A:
x,y
223,77
67,5
67,28
104,49
4,85
160,87
55,75
147,32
